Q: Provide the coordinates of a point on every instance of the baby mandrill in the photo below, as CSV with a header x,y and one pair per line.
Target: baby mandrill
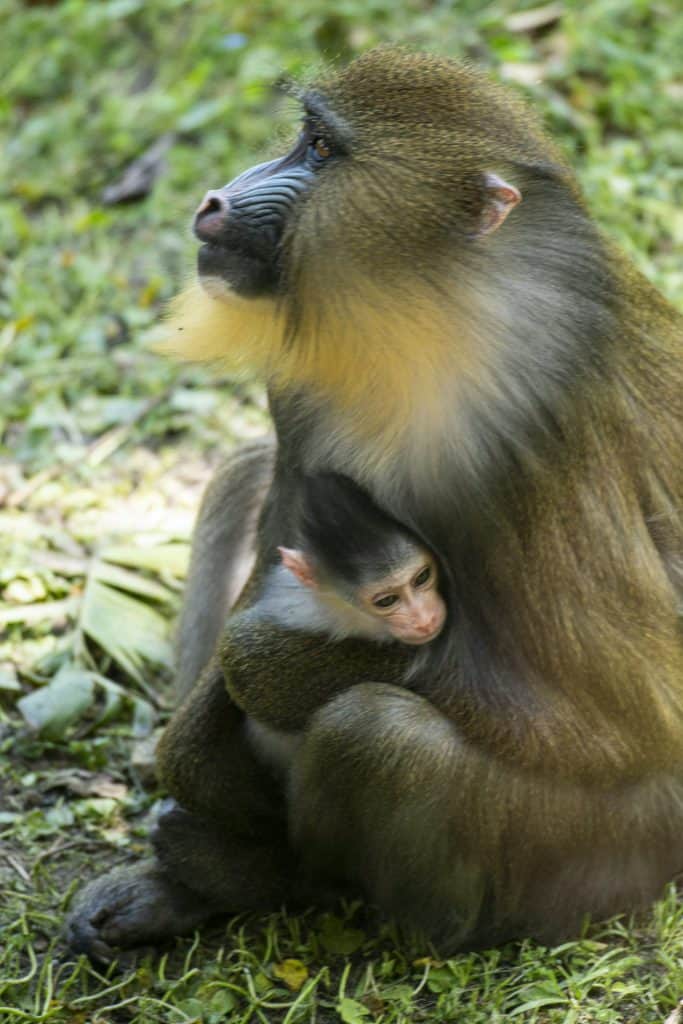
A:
x,y
365,575
355,572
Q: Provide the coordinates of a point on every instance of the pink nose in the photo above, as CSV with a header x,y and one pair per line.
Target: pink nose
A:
x,y
427,626
211,216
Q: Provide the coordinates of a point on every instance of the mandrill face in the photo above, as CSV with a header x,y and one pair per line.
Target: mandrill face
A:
x,y
395,172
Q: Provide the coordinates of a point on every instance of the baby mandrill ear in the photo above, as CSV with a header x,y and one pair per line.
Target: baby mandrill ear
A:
x,y
298,564
499,198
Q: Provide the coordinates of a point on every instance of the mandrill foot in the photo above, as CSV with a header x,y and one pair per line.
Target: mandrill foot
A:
x,y
131,906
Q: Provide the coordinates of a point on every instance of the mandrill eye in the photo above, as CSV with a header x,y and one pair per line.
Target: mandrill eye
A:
x,y
385,602
320,148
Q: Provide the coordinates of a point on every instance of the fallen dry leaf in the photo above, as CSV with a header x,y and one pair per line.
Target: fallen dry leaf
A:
x,y
535,19
292,972
83,783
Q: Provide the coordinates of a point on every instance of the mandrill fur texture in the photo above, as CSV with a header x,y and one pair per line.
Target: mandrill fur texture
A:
x,y
437,316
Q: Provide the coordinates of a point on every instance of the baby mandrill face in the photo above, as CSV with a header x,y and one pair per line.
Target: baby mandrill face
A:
x,y
408,601
405,605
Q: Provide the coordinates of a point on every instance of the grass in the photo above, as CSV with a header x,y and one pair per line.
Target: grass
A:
x,y
106,447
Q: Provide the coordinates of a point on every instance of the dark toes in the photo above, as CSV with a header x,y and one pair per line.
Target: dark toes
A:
x,y
91,926
82,936
132,906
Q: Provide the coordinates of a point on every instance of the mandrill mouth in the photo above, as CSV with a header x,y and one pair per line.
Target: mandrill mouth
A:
x,y
210,258
246,272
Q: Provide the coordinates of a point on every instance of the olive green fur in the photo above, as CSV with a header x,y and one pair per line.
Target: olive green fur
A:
x,y
532,772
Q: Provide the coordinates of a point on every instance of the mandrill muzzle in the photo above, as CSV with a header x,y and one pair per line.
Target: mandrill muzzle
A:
x,y
241,225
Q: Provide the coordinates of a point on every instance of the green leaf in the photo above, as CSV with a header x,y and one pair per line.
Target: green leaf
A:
x,y
222,1002
192,1008
144,718
171,558
8,679
440,979
352,1012
52,709
544,993
114,698
131,632
133,582
336,938
538,1004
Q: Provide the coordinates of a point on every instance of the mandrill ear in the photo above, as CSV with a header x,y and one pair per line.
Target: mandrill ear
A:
x,y
499,197
299,565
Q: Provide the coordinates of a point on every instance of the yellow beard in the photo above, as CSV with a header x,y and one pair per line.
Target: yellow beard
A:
x,y
377,357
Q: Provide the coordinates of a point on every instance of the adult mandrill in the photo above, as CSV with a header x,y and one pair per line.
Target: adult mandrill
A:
x,y
438,318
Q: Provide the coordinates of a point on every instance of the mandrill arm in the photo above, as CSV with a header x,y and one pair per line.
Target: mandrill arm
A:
x,y
281,677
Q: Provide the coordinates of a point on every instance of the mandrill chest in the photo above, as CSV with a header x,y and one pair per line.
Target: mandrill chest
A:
x,y
400,456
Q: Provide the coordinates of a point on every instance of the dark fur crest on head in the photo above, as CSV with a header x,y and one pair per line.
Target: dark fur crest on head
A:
x,y
348,537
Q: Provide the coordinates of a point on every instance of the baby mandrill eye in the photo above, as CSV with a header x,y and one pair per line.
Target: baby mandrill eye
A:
x,y
423,576
386,602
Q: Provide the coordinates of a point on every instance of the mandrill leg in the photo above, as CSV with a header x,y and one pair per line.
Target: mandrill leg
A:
x,y
233,872
371,801
385,797
226,851
386,793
